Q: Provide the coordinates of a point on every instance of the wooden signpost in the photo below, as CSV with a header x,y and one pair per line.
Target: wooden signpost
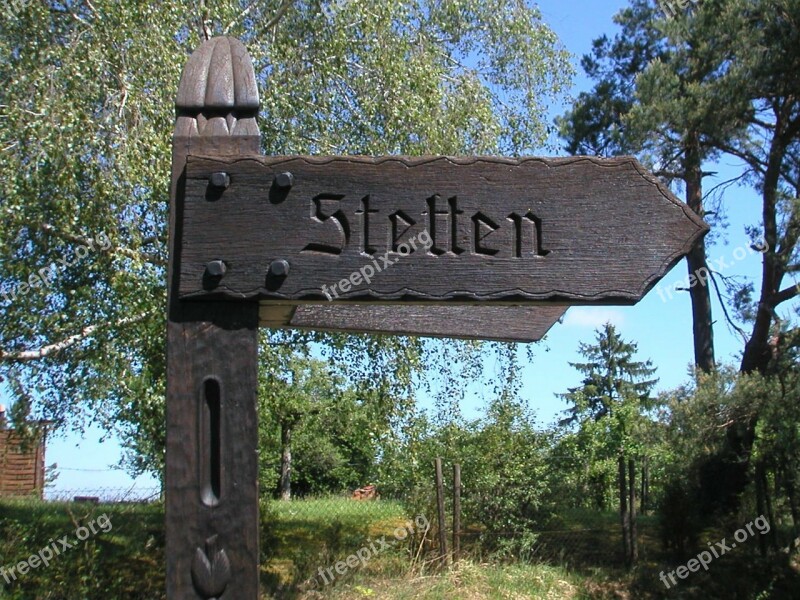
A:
x,y
576,230
482,247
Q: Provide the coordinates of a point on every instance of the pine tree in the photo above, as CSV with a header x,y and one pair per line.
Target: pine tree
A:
x,y
612,402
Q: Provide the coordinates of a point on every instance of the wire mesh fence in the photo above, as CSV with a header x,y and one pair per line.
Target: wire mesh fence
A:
x,y
572,536
105,495
566,527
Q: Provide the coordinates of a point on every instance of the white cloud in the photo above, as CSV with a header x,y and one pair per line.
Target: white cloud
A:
x,y
593,317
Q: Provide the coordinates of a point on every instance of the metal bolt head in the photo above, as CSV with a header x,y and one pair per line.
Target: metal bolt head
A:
x,y
220,180
284,181
279,268
216,268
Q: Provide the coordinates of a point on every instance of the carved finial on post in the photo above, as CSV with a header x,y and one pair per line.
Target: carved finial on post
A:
x,y
217,95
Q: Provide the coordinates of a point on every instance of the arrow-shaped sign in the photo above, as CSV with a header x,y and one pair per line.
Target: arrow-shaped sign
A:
x,y
580,230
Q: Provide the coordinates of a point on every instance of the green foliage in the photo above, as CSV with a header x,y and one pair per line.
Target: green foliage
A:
x,y
297,395
407,77
611,417
699,462
716,80
659,90
611,378
596,124
301,536
471,580
504,464
611,405
88,99
124,562
344,413
582,475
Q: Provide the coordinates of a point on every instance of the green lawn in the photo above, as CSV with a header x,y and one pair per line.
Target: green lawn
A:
x,y
304,538
123,560
300,537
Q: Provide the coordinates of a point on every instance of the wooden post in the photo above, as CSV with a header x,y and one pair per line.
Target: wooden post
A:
x,y
440,510
456,513
211,475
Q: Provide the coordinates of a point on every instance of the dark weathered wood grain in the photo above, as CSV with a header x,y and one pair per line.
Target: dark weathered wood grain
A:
x,y
211,473
581,230
222,347
500,323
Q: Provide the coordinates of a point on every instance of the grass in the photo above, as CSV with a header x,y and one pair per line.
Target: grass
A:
x,y
470,581
301,537
124,560
577,559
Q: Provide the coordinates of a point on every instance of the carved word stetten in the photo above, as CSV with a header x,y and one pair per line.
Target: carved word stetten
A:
x,y
443,219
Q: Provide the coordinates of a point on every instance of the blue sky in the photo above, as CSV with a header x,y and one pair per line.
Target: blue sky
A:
x,y
660,324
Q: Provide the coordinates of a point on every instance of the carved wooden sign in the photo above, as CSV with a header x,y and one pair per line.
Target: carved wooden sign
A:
x,y
398,244
581,230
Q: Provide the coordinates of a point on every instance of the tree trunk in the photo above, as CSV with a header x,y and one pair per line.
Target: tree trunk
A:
x,y
769,514
286,461
643,501
634,549
623,509
792,494
757,353
760,504
696,261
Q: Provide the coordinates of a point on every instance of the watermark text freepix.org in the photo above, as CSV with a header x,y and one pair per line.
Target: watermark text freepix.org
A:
x,y
48,274
671,7
56,548
368,271
716,265
364,554
715,550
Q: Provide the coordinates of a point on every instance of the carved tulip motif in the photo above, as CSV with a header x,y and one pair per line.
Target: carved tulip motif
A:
x,y
211,570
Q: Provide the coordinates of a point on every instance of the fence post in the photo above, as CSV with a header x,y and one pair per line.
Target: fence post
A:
x,y
456,513
440,509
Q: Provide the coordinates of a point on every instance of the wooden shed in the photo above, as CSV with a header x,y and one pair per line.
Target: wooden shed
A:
x,y
21,464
